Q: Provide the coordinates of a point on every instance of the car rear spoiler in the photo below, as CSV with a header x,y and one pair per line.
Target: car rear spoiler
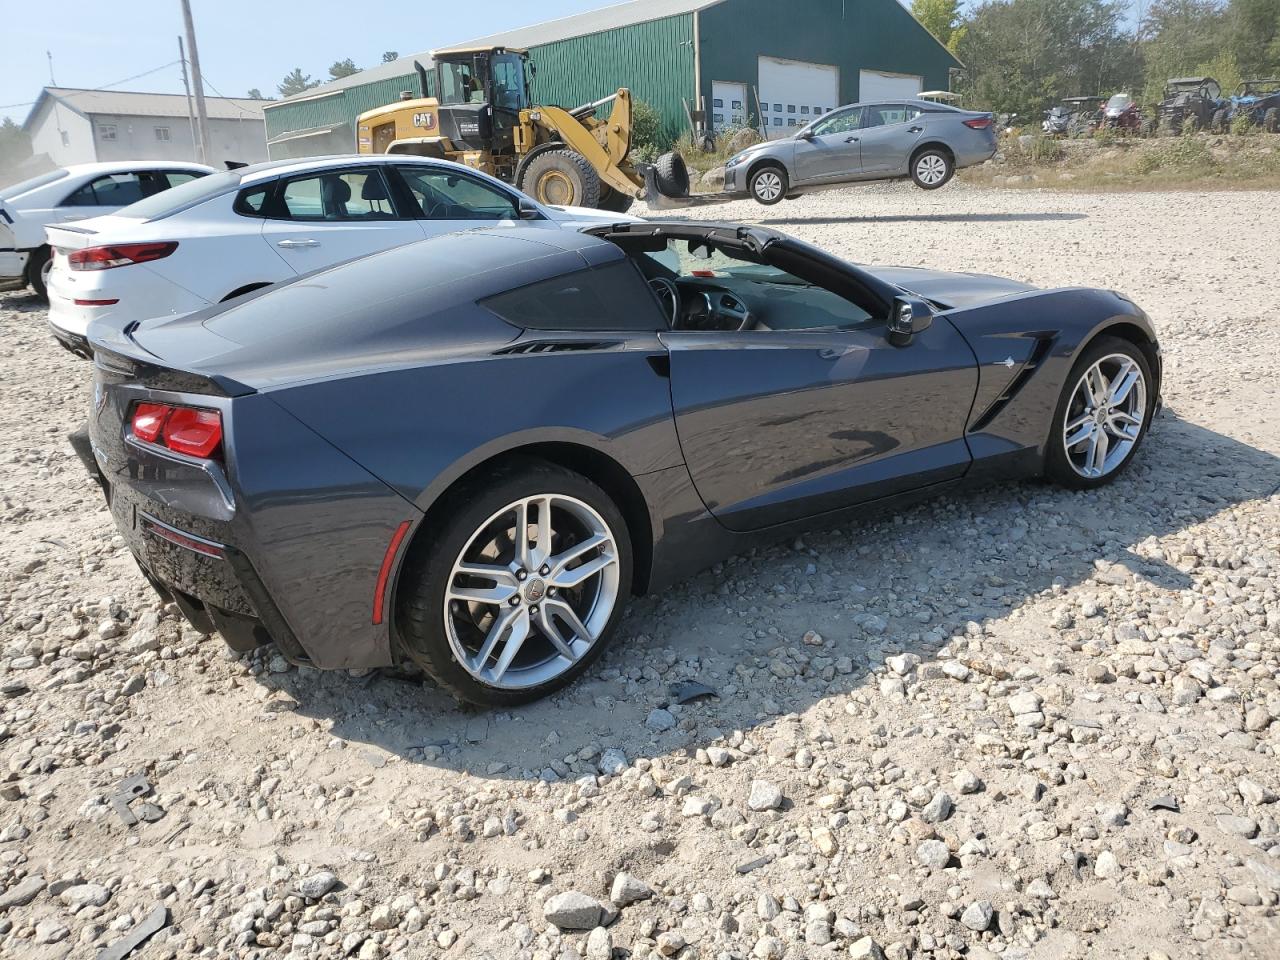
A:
x,y
115,351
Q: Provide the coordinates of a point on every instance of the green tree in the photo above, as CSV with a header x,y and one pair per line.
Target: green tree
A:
x,y
343,68
1253,36
255,94
1022,55
1180,38
15,145
389,56
942,18
296,82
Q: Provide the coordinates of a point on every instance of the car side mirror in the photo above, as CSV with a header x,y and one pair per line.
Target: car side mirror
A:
x,y
529,210
804,135
909,316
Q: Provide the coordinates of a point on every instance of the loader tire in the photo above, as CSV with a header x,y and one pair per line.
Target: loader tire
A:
x,y
671,176
562,178
615,201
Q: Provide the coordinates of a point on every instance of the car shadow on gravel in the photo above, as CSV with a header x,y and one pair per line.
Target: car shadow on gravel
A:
x,y
741,627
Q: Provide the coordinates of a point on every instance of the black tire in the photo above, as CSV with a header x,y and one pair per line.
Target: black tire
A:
x,y
924,168
422,586
37,267
671,176
1271,120
562,178
614,201
1057,467
1219,122
768,184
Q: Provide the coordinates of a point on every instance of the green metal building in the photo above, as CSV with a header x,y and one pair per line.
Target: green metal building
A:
x,y
758,63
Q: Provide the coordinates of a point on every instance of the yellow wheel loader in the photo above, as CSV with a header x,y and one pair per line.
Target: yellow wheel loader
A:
x,y
482,116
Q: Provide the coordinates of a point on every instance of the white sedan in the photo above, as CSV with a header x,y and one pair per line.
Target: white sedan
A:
x,y
234,232
73,193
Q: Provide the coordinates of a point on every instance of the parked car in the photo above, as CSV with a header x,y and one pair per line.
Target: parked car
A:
x,y
865,141
73,193
1259,101
1190,104
468,451
243,229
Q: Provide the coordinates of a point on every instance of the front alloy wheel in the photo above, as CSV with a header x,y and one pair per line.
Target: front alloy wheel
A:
x,y
768,185
1103,415
519,588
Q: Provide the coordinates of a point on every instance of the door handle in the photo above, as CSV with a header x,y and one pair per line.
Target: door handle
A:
x,y
850,139
292,244
914,129
834,353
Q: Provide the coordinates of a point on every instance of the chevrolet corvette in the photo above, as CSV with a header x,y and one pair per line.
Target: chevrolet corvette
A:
x,y
467,452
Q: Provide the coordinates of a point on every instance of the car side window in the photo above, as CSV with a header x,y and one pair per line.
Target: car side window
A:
x,y
890,113
610,297
446,195
338,195
110,190
178,177
841,122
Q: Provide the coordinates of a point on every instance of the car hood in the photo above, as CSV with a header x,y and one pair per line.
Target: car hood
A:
x,y
951,289
587,216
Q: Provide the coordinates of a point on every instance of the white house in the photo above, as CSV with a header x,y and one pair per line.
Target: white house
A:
x,y
83,126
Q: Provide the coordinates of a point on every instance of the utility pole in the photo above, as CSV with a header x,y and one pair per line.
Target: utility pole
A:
x,y
202,117
191,119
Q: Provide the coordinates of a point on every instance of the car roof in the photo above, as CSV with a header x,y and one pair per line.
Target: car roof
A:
x,y
125,166
275,168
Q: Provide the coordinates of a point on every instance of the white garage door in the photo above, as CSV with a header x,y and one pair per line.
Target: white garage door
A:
x,y
793,93
874,85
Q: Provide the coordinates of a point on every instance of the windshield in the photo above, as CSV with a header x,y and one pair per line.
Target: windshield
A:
x,y
25,186
168,202
1119,101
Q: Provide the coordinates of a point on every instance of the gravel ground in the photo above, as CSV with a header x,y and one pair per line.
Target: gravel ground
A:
x,y
1023,722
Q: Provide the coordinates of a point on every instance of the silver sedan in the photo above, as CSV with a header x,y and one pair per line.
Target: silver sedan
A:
x,y
865,141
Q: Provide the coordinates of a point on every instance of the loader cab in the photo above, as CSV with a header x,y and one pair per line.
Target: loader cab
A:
x,y
481,93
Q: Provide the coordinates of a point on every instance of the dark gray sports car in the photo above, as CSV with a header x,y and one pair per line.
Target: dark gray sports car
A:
x,y
469,451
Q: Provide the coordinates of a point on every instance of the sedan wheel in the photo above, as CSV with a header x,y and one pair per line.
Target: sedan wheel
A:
x,y
931,169
1105,416
768,185
532,588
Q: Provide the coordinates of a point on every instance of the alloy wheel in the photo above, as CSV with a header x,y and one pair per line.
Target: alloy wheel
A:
x,y
931,169
532,591
768,186
1105,417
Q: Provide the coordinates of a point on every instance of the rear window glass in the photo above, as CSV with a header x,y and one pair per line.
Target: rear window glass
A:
x,y
612,297
169,202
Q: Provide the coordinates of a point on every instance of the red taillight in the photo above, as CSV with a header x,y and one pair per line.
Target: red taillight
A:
x,y
119,255
96,303
189,430
978,123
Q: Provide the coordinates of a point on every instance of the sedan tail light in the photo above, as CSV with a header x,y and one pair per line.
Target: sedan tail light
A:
x,y
978,123
119,255
189,430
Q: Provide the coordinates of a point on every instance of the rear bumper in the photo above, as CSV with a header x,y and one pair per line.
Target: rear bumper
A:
x,y
74,342
213,583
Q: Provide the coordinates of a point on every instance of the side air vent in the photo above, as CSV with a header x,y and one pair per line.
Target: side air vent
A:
x,y
1038,353
557,346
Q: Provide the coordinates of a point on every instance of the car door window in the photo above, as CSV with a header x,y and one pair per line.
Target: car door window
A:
x,y
841,122
339,195
110,190
887,114
446,195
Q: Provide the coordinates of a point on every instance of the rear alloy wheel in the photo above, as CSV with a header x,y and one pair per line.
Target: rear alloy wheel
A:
x,y
562,178
39,266
931,169
522,589
1103,415
768,185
